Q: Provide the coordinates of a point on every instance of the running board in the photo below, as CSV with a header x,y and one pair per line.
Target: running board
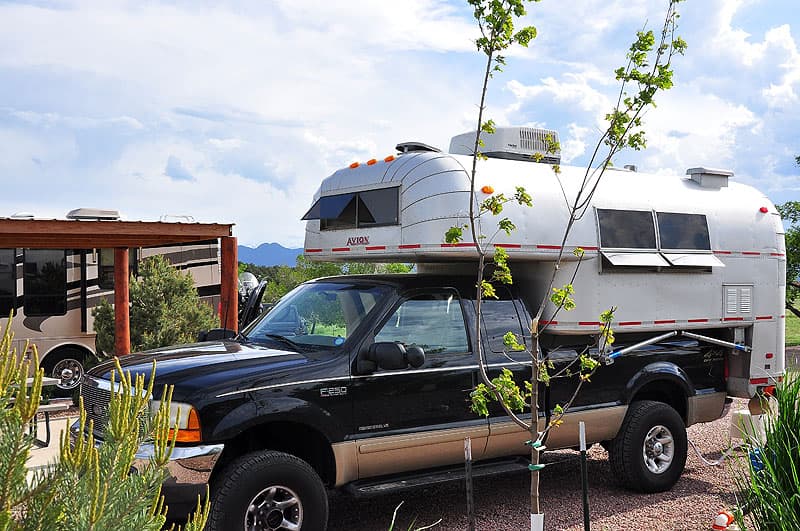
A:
x,y
414,480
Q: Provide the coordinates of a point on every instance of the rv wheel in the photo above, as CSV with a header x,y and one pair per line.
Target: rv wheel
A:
x,y
68,366
649,452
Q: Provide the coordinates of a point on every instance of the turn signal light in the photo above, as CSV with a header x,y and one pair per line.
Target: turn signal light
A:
x,y
191,433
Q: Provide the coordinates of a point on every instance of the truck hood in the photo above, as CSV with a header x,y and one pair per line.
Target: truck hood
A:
x,y
209,365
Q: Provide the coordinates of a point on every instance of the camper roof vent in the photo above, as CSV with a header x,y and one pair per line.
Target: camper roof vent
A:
x,y
709,177
408,147
515,143
95,214
22,215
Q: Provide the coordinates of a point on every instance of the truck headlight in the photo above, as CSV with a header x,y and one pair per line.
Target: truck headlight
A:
x,y
183,418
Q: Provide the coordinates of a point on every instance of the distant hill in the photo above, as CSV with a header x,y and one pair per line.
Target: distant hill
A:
x,y
268,254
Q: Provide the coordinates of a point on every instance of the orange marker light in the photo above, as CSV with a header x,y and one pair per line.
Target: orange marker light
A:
x,y
370,162
390,158
487,189
354,165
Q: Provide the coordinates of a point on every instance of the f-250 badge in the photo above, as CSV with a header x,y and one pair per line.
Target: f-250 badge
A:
x,y
326,392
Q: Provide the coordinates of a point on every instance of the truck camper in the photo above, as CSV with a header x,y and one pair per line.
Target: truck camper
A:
x,y
362,383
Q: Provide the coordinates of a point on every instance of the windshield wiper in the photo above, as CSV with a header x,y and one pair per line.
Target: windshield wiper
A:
x,y
284,340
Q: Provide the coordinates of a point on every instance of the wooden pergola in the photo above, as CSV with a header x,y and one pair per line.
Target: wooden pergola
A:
x,y
122,236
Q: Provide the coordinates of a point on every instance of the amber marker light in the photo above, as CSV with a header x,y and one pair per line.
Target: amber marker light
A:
x,y
354,165
487,189
370,162
390,158
184,421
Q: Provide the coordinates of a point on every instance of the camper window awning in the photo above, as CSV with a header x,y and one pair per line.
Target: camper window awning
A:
x,y
635,259
693,260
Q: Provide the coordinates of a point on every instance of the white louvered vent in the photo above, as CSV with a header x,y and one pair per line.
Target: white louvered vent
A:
x,y
737,300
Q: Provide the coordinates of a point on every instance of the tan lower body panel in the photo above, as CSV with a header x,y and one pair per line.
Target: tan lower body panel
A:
x,y
506,438
705,408
400,453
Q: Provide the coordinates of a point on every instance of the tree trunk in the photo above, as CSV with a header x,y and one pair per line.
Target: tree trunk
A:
x,y
537,518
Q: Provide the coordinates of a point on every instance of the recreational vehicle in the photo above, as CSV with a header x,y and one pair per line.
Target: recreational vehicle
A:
x,y
52,292
362,383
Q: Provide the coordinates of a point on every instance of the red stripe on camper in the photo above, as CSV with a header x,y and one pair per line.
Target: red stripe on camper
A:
x,y
733,319
751,253
777,254
587,248
589,323
508,245
409,246
759,381
545,323
665,321
460,244
551,247
630,323
697,321
313,250
763,318
376,248
340,249
723,252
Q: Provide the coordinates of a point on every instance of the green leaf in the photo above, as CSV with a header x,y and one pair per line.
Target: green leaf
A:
x,y
454,235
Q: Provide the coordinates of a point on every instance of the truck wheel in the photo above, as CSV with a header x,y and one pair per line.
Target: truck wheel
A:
x,y
268,491
66,364
649,452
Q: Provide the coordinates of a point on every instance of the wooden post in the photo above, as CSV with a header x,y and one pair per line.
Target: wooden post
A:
x,y
122,324
229,293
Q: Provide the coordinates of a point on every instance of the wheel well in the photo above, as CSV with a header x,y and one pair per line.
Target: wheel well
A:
x,y
666,392
292,438
53,353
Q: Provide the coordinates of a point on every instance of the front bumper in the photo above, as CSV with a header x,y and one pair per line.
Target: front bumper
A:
x,y
188,472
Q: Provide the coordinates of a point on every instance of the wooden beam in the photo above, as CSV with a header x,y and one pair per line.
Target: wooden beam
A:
x,y
229,293
122,322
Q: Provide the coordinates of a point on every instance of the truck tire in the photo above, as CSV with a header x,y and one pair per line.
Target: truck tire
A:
x,y
268,491
56,362
649,452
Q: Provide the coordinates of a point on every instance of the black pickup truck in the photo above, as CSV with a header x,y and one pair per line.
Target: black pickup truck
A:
x,y
362,383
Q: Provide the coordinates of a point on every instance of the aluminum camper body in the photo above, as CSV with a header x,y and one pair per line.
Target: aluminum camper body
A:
x,y
698,253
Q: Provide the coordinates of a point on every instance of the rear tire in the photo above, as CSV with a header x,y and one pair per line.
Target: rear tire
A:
x,y
71,359
649,452
268,491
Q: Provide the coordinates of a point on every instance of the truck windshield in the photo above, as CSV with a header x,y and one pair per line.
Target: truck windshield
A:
x,y
319,313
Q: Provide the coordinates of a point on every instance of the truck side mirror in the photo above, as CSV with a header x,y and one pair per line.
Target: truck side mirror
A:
x,y
393,356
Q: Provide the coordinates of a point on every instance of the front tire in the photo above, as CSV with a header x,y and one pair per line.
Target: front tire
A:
x,y
268,491
649,452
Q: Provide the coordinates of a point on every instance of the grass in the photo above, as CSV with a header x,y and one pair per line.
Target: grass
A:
x,y
792,329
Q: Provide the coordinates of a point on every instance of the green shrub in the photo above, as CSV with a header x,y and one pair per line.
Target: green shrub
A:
x,y
770,481
90,486
165,309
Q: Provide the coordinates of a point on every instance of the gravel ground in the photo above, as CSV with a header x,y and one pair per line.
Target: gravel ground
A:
x,y
501,503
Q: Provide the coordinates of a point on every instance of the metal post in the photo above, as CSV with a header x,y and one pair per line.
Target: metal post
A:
x,y
468,470
229,295
584,476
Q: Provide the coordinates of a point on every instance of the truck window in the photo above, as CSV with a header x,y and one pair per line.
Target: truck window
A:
x,y
433,321
45,282
8,282
500,317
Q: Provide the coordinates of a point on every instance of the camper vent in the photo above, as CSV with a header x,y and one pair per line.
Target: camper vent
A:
x,y
738,300
515,143
408,147
93,214
709,177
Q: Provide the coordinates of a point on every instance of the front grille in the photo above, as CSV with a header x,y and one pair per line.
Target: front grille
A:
x,y
95,403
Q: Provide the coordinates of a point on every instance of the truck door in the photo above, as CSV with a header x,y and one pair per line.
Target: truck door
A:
x,y
418,417
499,317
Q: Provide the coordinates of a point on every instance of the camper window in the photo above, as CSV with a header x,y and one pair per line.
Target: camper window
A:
x,y
45,282
683,231
626,229
370,208
8,281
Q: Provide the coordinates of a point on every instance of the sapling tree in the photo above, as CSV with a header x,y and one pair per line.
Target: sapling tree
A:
x,y
648,69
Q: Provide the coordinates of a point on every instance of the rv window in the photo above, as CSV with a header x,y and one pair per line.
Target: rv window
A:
x,y
105,267
45,282
683,231
626,229
378,207
371,208
8,282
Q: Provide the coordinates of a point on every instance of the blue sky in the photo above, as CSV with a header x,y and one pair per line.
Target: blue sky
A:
x,y
234,111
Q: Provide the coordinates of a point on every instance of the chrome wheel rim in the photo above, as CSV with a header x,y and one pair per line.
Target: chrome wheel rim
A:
x,y
274,508
658,449
69,372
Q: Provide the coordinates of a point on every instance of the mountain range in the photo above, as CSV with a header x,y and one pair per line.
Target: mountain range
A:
x,y
268,254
